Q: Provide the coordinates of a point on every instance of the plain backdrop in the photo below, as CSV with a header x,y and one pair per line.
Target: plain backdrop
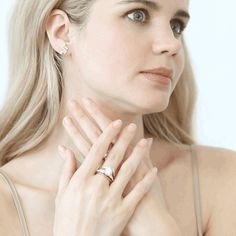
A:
x,y
211,39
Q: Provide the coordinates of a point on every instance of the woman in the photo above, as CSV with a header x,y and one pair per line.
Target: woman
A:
x,y
130,60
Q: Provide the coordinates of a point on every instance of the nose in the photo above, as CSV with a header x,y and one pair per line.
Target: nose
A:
x,y
165,42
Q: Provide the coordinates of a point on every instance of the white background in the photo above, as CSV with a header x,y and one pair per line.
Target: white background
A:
x,y
211,38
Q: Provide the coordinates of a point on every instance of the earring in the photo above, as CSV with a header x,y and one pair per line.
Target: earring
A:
x,y
64,50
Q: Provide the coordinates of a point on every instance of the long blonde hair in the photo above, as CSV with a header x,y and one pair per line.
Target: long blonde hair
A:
x,y
31,109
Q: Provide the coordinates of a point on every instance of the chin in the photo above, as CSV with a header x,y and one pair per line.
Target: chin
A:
x,y
151,107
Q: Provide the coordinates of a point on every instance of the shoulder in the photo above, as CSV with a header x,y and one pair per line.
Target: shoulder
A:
x,y
217,164
217,177
216,155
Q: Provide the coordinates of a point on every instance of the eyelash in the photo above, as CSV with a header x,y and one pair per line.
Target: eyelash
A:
x,y
182,24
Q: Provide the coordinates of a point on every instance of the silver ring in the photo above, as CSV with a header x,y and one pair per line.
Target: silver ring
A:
x,y
108,171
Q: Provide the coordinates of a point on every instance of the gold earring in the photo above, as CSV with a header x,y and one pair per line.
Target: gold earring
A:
x,y
64,49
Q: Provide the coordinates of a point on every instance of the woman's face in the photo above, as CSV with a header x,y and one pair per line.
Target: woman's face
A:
x,y
123,38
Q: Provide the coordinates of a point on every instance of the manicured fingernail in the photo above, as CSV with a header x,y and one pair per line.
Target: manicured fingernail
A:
x,y
155,170
117,123
150,141
61,150
132,127
143,142
67,121
72,103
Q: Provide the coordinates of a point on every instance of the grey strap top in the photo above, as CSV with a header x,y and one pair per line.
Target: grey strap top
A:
x,y
196,189
197,202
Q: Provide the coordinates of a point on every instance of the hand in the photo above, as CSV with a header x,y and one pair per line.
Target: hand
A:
x,y
152,207
85,203
90,131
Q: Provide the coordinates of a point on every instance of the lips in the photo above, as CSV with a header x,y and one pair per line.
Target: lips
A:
x,y
162,71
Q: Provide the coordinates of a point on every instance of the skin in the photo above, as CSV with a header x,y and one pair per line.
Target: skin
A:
x,y
121,84
92,68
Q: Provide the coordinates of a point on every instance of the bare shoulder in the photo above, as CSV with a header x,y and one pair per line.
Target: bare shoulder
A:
x,y
218,165
216,156
217,174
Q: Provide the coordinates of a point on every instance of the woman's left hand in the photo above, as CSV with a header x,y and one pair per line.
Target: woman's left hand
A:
x,y
151,216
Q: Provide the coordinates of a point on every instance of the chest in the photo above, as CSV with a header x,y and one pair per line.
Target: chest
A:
x,y
178,193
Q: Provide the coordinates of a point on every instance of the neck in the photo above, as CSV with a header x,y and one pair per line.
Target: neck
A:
x,y
46,157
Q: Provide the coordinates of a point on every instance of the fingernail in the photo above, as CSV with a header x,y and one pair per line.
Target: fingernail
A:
x,y
132,127
67,121
143,142
117,123
61,150
72,103
155,170
150,141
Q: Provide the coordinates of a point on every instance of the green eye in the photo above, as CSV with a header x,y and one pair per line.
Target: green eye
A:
x,y
138,15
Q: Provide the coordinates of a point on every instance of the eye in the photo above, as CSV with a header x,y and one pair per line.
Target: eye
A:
x,y
138,15
177,26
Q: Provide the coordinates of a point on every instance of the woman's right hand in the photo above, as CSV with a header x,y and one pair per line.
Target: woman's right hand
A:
x,y
86,204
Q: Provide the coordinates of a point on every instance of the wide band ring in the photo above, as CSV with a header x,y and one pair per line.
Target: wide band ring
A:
x,y
107,171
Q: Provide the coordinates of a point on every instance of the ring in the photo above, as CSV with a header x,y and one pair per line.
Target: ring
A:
x,y
107,171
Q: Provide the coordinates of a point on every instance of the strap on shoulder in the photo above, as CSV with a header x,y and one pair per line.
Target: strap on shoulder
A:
x,y
196,189
17,202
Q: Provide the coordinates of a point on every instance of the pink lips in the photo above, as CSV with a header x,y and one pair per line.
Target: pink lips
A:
x,y
162,75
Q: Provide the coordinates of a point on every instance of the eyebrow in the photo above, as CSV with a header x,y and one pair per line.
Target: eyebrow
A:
x,y
155,6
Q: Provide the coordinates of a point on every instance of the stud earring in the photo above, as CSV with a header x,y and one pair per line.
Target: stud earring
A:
x,y
64,49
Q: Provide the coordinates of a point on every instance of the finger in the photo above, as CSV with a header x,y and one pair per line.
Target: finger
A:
x,y
68,169
129,167
98,116
76,137
102,120
98,150
117,152
141,188
88,127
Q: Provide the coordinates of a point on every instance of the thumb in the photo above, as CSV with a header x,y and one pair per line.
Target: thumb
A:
x,y
68,169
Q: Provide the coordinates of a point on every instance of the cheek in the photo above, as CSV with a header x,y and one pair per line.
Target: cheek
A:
x,y
180,63
105,56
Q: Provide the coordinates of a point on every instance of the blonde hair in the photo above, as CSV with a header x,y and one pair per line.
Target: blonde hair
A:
x,y
32,106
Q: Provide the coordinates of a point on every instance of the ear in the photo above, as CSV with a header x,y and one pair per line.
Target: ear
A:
x,y
58,28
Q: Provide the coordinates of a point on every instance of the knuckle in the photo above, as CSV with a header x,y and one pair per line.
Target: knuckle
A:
x,y
74,131
97,133
96,111
96,148
126,209
142,187
80,115
127,169
114,155
97,189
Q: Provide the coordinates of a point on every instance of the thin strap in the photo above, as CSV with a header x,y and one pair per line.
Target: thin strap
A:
x,y
17,202
196,189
